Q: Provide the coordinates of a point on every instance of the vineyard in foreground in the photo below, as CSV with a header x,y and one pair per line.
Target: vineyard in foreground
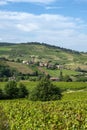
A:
x,y
70,113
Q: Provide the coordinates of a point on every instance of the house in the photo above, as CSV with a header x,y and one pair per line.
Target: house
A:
x,y
25,62
41,64
12,78
59,66
54,79
46,64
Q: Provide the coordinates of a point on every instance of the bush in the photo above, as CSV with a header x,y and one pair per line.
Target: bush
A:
x,y
67,78
45,91
22,92
1,94
11,90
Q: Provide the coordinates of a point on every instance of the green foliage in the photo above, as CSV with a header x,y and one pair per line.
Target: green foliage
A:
x,y
11,90
45,91
4,125
1,94
82,79
61,75
6,72
69,113
22,91
64,86
67,78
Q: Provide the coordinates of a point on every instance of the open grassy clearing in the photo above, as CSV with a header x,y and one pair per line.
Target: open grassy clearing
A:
x,y
20,67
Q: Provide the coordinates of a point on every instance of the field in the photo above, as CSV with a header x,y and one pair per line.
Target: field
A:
x,y
68,114
56,73
64,86
20,67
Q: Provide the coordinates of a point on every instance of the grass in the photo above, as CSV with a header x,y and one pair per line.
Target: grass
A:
x,y
42,52
76,95
56,73
74,66
5,48
65,86
20,67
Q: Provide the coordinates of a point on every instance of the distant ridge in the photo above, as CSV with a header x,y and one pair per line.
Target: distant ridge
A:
x,y
6,44
38,43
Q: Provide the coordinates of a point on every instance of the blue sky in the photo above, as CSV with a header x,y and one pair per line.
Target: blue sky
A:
x,y
57,22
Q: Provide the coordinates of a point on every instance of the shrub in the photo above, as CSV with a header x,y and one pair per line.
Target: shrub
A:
x,y
45,91
67,78
11,90
22,92
1,94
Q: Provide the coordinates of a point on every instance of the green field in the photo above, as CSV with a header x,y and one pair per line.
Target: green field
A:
x,y
65,86
68,114
56,73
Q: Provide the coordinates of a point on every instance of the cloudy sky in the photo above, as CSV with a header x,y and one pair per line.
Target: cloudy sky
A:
x,y
57,22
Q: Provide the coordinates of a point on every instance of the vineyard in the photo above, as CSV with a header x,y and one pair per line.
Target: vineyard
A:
x,y
70,113
64,86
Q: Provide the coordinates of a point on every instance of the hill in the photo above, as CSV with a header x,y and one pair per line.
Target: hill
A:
x,y
33,57
42,52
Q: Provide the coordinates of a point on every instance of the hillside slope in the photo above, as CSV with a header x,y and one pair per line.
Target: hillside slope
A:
x,y
44,53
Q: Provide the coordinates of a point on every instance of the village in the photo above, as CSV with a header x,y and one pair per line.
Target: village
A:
x,y
47,65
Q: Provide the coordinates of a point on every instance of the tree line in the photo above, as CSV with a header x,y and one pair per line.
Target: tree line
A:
x,y
12,91
44,91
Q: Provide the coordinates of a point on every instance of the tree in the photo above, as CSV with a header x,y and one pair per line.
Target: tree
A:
x,y
45,91
22,92
61,75
11,90
67,78
1,94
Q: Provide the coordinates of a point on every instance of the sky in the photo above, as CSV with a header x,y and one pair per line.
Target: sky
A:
x,y
57,22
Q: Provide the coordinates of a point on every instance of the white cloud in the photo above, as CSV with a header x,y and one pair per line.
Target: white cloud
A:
x,y
28,27
53,29
53,7
27,1
3,2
